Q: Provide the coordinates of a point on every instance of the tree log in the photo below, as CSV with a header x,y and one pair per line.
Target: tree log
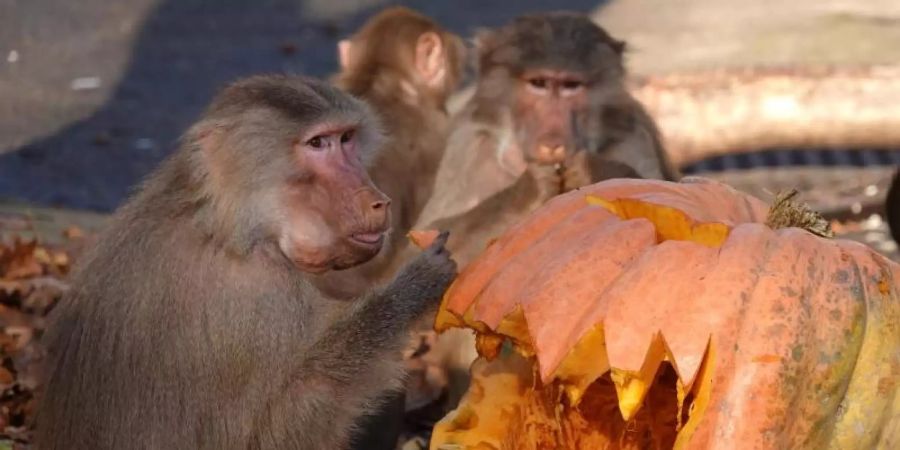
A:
x,y
708,113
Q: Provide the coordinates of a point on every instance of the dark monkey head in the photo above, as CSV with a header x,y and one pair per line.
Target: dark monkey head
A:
x,y
277,161
541,68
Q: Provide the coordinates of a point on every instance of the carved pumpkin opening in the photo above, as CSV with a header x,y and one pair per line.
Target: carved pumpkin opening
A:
x,y
670,223
507,395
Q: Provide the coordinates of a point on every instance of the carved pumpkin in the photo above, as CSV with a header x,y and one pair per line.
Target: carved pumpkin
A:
x,y
651,314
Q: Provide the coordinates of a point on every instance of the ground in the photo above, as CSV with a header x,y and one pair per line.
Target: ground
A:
x,y
95,93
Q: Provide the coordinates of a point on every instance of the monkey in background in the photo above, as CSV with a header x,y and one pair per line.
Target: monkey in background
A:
x,y
550,113
198,320
405,65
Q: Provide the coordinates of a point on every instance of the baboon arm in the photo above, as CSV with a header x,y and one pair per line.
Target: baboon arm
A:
x,y
374,328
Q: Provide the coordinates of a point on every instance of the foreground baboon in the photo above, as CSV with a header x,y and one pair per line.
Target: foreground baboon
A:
x,y
198,321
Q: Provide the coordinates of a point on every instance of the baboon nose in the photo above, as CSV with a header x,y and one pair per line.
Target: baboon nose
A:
x,y
381,204
375,206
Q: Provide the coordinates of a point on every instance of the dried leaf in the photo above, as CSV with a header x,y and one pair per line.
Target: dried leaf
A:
x,y
60,259
20,335
6,377
19,261
73,232
13,287
30,284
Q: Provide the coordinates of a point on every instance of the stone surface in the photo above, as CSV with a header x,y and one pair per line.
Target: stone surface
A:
x,y
696,34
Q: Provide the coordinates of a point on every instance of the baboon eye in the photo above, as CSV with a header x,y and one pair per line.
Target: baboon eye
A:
x,y
571,84
315,142
540,83
347,136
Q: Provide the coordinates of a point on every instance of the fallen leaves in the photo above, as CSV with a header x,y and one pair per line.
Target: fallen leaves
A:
x,y
31,282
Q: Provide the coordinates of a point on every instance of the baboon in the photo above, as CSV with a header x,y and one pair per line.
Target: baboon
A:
x,y
550,95
404,65
199,320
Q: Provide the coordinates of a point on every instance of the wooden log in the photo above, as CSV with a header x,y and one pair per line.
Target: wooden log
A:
x,y
709,113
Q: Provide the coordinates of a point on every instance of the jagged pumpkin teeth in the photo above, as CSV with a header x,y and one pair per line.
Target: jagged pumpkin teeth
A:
x,y
585,268
514,280
517,239
585,362
687,314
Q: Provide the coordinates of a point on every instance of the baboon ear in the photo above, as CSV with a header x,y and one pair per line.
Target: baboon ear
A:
x,y
431,59
344,47
206,135
206,140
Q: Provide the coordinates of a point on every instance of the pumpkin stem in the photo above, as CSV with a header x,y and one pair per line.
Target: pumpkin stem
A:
x,y
786,212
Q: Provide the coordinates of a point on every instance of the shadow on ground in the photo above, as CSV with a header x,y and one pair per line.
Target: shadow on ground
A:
x,y
184,51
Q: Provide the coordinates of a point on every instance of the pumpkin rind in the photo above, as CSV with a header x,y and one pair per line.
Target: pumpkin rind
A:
x,y
779,338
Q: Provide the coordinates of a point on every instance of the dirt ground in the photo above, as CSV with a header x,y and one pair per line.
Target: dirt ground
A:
x,y
676,35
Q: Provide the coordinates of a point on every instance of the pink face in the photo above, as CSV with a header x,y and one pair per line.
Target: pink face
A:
x,y
336,217
545,102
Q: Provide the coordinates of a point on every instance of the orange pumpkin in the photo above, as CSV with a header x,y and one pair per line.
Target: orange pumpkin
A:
x,y
651,314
